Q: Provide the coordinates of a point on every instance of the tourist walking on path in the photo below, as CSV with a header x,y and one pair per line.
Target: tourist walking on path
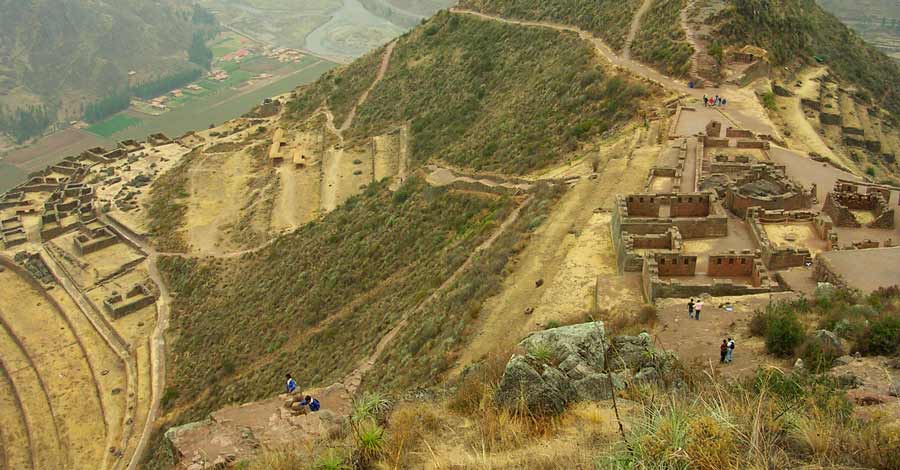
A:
x,y
697,307
691,309
723,351
730,355
291,385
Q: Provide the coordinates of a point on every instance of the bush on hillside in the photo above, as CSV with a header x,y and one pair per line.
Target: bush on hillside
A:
x,y
882,337
818,356
780,328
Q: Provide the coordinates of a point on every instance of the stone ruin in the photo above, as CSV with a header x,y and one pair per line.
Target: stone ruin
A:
x,y
661,272
138,297
94,237
846,198
766,187
696,215
12,232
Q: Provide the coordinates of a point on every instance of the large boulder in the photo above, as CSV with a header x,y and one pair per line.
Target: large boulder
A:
x,y
598,386
583,344
523,388
631,352
568,364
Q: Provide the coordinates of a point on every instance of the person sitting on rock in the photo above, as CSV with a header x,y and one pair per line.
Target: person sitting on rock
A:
x,y
291,385
311,402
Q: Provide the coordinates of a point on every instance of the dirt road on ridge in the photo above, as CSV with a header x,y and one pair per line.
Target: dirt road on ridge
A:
x,y
743,108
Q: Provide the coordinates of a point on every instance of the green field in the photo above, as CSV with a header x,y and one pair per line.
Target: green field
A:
x,y
115,124
225,45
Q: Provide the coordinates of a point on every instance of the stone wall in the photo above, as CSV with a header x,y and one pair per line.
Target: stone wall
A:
x,y
776,258
733,133
655,288
731,265
643,205
753,144
838,206
696,205
675,264
710,142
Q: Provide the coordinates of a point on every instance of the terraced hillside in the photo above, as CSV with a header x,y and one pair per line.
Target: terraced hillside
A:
x,y
60,400
795,32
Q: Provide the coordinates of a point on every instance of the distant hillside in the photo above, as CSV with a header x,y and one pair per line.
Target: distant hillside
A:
x,y
796,31
62,55
875,9
465,85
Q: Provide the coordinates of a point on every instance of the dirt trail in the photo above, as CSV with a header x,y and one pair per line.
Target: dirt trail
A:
x,y
382,69
284,215
635,27
690,34
743,109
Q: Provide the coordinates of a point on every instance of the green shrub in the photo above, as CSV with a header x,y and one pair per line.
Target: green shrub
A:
x,y
780,328
817,357
882,337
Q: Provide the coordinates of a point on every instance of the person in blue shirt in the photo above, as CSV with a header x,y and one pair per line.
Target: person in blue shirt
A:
x,y
311,402
291,384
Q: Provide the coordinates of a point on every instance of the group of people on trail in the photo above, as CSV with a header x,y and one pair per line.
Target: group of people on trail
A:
x,y
694,309
726,351
713,101
305,405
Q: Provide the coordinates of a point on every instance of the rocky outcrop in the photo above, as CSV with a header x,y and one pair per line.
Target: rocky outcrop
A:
x,y
237,432
569,364
828,341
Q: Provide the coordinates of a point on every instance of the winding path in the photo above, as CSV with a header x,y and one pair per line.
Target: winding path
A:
x,y
636,27
382,69
743,109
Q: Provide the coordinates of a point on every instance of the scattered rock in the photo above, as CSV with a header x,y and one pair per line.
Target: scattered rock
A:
x,y
894,390
866,398
538,283
798,365
104,372
529,310
842,361
849,380
116,391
